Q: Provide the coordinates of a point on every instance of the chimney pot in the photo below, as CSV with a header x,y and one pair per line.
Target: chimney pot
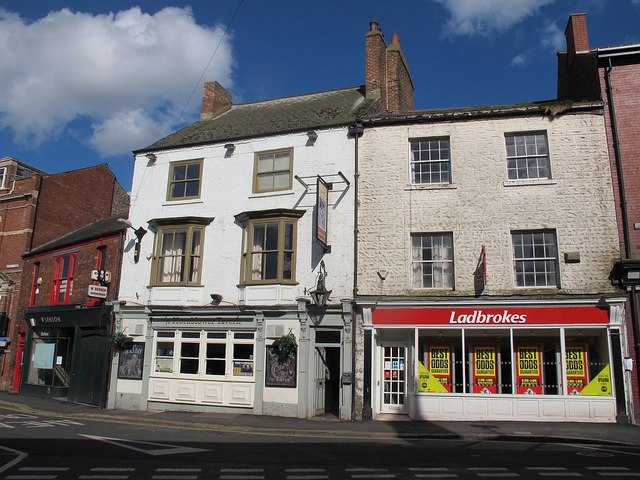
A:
x,y
395,39
374,26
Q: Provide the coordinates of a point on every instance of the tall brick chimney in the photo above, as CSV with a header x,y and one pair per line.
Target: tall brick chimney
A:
x,y
214,101
576,35
577,67
387,73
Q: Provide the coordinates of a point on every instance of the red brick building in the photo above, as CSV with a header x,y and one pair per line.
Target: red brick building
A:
x,y
68,317
37,208
19,187
612,74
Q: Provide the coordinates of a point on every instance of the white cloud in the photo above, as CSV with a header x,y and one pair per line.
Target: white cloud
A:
x,y
470,17
520,60
553,38
126,130
130,73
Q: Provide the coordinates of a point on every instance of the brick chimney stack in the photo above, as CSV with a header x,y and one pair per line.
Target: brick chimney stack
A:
x,y
577,67
214,101
576,35
387,73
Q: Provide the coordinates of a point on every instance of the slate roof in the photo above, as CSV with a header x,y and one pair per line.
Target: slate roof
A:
x,y
328,109
549,107
100,228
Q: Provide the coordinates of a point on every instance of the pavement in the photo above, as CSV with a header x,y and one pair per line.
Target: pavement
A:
x,y
388,427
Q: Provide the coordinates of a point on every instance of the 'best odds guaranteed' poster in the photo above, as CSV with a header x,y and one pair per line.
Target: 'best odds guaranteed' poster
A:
x,y
577,372
529,370
485,379
439,364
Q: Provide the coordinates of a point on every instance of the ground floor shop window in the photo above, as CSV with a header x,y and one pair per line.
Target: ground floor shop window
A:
x,y
50,363
205,354
544,361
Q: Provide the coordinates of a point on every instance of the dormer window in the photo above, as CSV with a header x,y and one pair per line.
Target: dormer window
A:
x,y
3,177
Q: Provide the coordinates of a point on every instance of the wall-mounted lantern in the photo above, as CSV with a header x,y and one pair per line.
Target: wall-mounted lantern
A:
x,y
320,295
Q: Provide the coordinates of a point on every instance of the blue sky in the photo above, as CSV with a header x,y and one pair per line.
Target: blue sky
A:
x,y
86,82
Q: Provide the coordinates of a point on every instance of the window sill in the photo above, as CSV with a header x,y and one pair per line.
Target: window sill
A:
x,y
523,183
431,186
171,203
280,193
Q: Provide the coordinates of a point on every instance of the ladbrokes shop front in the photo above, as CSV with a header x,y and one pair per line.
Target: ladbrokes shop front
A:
x,y
531,360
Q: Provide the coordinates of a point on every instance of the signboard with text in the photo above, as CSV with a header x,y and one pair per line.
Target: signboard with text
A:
x,y
97,291
322,207
487,317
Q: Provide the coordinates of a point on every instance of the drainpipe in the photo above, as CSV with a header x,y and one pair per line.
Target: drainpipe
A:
x,y
355,132
633,297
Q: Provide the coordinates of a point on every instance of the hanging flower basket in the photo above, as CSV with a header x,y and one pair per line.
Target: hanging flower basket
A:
x,y
285,347
119,341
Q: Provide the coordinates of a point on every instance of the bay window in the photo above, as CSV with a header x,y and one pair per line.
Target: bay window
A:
x,y
178,251
269,246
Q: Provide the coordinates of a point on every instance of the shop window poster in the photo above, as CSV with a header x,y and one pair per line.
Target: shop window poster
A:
x,y
43,355
529,370
484,369
439,364
577,368
280,374
130,362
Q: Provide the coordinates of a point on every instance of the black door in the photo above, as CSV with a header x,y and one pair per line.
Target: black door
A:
x,y
90,367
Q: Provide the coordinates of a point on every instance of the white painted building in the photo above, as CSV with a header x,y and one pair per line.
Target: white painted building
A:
x,y
249,216
486,239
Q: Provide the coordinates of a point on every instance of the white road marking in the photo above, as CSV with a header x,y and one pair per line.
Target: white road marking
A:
x,y
168,450
19,457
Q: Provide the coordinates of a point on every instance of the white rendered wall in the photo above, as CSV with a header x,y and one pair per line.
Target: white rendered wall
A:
x,y
481,206
226,191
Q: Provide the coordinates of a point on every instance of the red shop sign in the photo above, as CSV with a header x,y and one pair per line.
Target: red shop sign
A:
x,y
491,316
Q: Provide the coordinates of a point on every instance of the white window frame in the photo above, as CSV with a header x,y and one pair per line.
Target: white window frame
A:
x,y
233,366
3,178
536,258
528,158
442,269
428,153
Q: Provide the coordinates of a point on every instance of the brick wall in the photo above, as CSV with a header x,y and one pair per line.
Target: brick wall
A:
x,y
17,213
625,85
72,199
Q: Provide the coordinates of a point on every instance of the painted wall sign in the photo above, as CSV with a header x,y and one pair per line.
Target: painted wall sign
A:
x,y
491,316
485,378
529,370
